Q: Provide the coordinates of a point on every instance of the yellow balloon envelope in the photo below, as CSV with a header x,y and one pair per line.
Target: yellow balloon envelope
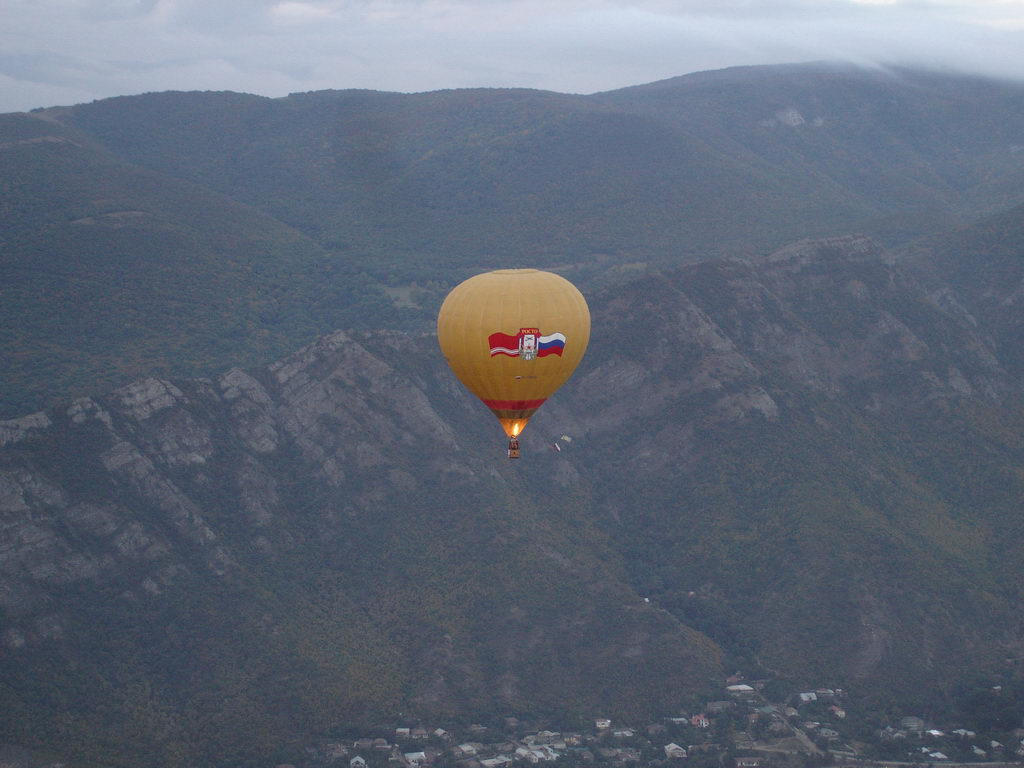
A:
x,y
513,337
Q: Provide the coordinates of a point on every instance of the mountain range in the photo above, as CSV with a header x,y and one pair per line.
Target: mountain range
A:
x,y
802,459
808,462
193,230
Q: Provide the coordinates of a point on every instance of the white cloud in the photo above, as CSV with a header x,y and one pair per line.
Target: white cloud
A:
x,y
295,12
73,50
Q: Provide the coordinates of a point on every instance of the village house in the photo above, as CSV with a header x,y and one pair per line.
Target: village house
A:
x,y
602,723
538,754
415,758
700,721
357,762
381,744
674,752
363,743
441,733
749,762
420,733
838,711
828,733
808,697
403,733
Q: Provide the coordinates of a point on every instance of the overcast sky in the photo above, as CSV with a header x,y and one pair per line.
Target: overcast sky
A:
x,y
70,51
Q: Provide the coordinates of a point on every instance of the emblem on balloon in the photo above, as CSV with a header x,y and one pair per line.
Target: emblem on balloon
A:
x,y
527,344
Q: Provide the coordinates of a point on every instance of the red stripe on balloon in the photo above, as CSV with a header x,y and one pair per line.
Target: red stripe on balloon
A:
x,y
514,405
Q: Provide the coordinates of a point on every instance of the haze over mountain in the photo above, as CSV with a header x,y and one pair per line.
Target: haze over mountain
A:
x,y
74,51
806,456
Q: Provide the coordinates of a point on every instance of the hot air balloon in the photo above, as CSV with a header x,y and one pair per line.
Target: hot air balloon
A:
x,y
513,337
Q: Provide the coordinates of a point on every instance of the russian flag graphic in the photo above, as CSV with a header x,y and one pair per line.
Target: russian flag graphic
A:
x,y
550,345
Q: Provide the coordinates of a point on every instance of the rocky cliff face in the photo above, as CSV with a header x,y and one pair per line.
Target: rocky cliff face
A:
x,y
327,539
807,461
816,459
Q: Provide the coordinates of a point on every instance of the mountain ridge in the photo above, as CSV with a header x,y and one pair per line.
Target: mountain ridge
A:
x,y
359,208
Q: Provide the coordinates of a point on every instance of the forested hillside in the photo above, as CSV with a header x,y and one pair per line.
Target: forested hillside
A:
x,y
808,462
213,224
109,270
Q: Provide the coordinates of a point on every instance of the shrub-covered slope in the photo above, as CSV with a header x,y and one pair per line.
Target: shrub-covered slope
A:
x,y
420,184
981,265
209,571
809,462
157,234
109,271
818,463
915,148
